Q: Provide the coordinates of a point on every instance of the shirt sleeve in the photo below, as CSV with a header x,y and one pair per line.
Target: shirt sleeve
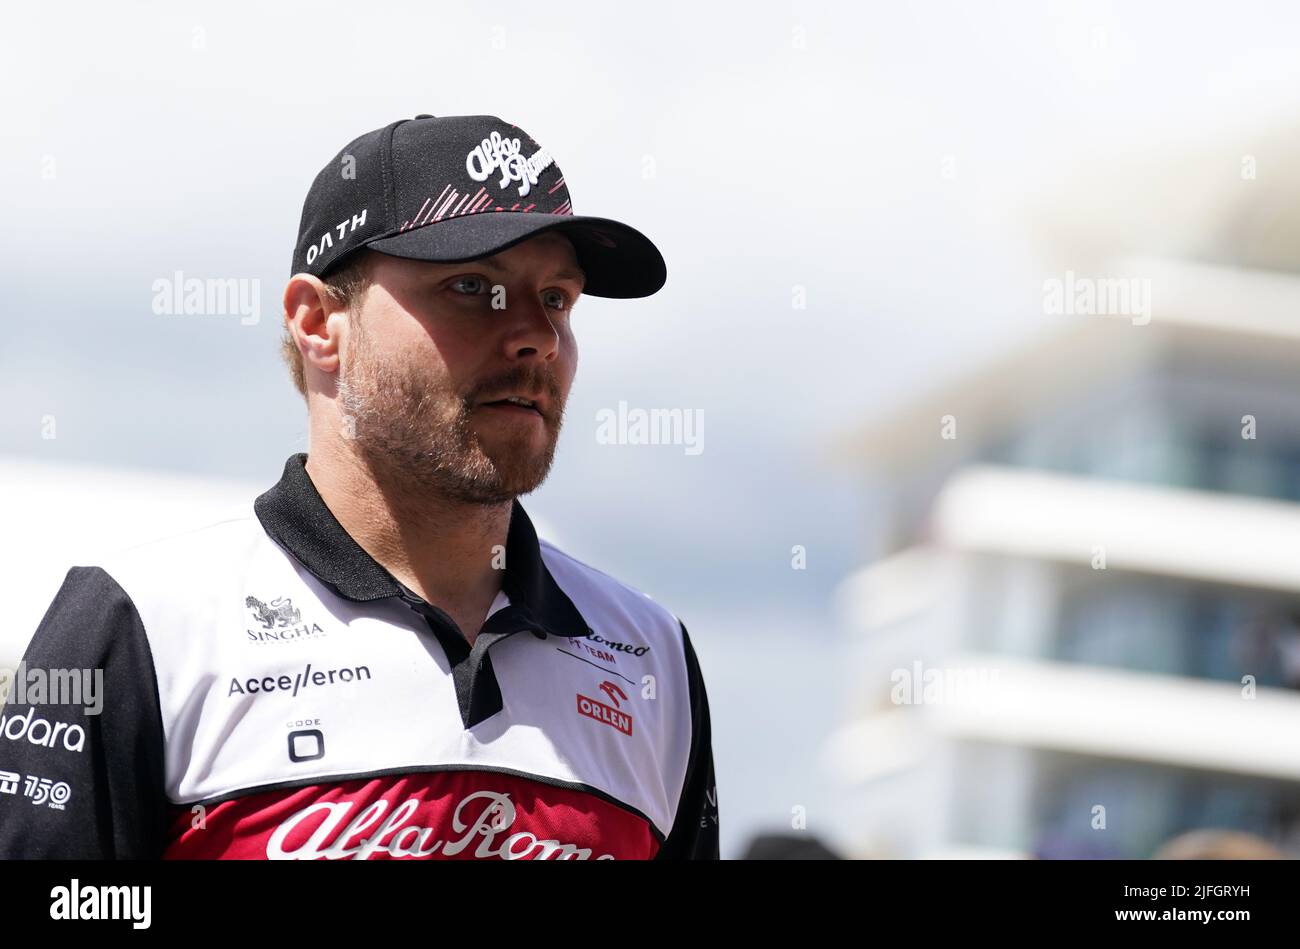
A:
x,y
84,779
694,835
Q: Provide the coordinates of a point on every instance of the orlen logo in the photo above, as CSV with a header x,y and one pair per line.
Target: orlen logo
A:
x,y
38,731
608,714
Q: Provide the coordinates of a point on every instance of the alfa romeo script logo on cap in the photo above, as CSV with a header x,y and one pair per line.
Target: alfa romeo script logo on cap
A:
x,y
495,152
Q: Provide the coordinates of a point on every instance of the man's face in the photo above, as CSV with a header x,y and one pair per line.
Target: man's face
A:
x,y
434,347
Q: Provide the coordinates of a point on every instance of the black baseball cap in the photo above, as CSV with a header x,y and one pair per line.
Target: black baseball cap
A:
x,y
456,188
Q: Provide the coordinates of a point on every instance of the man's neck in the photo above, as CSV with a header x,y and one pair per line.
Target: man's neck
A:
x,y
442,549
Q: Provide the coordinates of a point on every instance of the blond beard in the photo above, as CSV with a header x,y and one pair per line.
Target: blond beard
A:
x,y
414,431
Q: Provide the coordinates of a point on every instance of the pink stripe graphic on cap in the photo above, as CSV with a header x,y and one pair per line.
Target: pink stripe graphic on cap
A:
x,y
434,206
459,206
442,211
442,208
423,206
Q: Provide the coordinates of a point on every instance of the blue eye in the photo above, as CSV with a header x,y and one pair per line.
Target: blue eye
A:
x,y
561,299
473,280
475,285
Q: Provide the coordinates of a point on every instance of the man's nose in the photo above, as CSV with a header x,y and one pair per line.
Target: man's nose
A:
x,y
531,331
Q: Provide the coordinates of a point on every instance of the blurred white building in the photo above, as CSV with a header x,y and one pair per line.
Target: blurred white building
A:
x,y
1092,563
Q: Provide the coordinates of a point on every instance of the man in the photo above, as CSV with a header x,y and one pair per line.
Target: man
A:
x,y
382,660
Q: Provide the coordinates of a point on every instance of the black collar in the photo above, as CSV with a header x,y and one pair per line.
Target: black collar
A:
x,y
296,517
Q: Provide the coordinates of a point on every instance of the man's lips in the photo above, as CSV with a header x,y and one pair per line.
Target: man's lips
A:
x,y
538,402
512,408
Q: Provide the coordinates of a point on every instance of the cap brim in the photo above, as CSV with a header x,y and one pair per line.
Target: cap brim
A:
x,y
618,261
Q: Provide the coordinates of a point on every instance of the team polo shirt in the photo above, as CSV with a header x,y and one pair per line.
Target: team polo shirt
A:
x,y
270,691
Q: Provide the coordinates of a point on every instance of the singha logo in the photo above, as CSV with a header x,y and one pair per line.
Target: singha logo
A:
x,y
280,613
280,621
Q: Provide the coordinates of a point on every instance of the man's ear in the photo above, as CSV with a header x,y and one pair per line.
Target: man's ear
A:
x,y
307,316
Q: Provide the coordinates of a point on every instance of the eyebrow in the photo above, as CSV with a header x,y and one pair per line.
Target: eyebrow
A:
x,y
568,273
